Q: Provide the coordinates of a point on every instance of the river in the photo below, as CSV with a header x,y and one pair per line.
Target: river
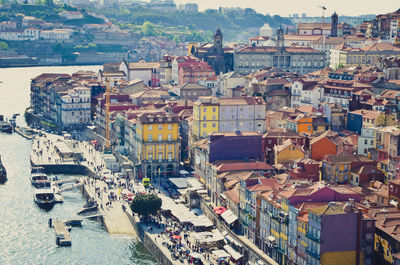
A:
x,y
25,237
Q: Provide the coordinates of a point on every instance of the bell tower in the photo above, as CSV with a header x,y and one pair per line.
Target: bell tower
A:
x,y
280,40
334,24
218,38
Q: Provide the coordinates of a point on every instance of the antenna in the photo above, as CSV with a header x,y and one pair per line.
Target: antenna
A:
x,y
323,13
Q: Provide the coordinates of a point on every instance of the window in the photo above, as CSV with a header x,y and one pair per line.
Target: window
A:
x,y
169,147
150,137
160,127
204,117
160,137
150,148
160,147
213,117
365,141
204,109
213,125
372,141
214,109
169,156
150,127
169,137
169,127
204,125
150,156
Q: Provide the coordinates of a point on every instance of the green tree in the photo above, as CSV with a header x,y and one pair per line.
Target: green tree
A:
x,y
148,29
3,46
146,204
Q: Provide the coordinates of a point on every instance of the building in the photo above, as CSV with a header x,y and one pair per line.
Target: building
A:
x,y
345,55
76,107
287,152
191,91
56,34
306,92
157,144
194,72
149,72
305,168
291,58
366,140
220,58
328,143
227,82
212,114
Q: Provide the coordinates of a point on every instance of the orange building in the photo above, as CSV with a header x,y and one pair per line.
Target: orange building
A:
x,y
325,144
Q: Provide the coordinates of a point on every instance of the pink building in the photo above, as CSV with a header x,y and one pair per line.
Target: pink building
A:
x,y
193,72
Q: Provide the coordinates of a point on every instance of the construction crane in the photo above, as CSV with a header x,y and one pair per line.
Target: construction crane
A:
x,y
107,116
323,13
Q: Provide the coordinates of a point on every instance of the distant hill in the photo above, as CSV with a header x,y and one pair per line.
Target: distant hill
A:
x,y
235,25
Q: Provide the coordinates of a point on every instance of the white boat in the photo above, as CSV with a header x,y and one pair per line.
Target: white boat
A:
x,y
44,197
39,179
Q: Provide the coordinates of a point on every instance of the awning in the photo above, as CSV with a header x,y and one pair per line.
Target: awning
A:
x,y
235,255
229,217
221,254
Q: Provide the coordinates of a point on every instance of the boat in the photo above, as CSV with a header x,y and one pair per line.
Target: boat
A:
x,y
44,197
4,126
3,173
39,179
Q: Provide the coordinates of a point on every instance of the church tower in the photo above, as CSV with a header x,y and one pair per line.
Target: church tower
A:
x,y
334,25
280,40
218,38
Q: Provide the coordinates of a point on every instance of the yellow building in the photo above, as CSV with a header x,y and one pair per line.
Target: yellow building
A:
x,y
287,152
205,117
157,144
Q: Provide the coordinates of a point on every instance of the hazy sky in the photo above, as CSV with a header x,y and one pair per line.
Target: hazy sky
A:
x,y
286,7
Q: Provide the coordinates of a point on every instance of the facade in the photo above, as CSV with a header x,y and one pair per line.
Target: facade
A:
x,y
212,114
287,152
306,92
191,91
157,144
76,107
194,72
291,58
149,72
366,140
219,58
345,55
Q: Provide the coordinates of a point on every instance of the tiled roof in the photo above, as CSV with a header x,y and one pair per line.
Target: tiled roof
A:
x,y
305,26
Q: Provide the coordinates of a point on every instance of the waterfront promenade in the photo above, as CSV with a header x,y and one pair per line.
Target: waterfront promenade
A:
x,y
55,152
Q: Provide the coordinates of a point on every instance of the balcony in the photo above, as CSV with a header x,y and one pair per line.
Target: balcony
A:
x,y
307,101
312,237
312,253
281,250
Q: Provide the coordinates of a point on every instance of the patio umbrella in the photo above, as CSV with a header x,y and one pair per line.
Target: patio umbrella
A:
x,y
177,237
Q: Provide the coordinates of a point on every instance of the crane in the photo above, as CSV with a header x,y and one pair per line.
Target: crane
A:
x,y
107,115
323,13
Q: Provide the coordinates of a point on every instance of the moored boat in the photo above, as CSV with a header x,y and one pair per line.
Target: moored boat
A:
x,y
39,179
44,197
5,127
3,173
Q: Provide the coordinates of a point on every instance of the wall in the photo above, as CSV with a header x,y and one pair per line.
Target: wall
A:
x,y
321,148
342,257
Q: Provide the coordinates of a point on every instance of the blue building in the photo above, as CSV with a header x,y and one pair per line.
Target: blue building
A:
x,y
354,121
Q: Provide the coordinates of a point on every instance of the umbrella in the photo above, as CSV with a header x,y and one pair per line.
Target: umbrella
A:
x,y
129,194
219,210
177,237
168,229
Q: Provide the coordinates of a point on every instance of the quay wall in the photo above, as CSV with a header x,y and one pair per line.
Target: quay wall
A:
x,y
152,246
73,169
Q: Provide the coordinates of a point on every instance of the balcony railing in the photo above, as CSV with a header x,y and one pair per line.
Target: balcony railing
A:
x,y
312,237
312,253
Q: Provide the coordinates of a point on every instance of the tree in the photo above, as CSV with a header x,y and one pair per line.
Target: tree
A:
x,y
3,46
148,29
146,204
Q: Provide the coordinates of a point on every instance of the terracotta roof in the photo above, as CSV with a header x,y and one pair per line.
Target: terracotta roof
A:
x,y
143,65
233,195
240,165
259,38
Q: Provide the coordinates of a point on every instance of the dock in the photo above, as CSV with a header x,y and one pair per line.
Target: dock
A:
x,y
63,236
25,132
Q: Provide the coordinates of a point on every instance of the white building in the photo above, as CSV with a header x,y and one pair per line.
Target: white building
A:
x,y
56,34
76,107
366,140
394,29
306,92
266,31
228,81
20,35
